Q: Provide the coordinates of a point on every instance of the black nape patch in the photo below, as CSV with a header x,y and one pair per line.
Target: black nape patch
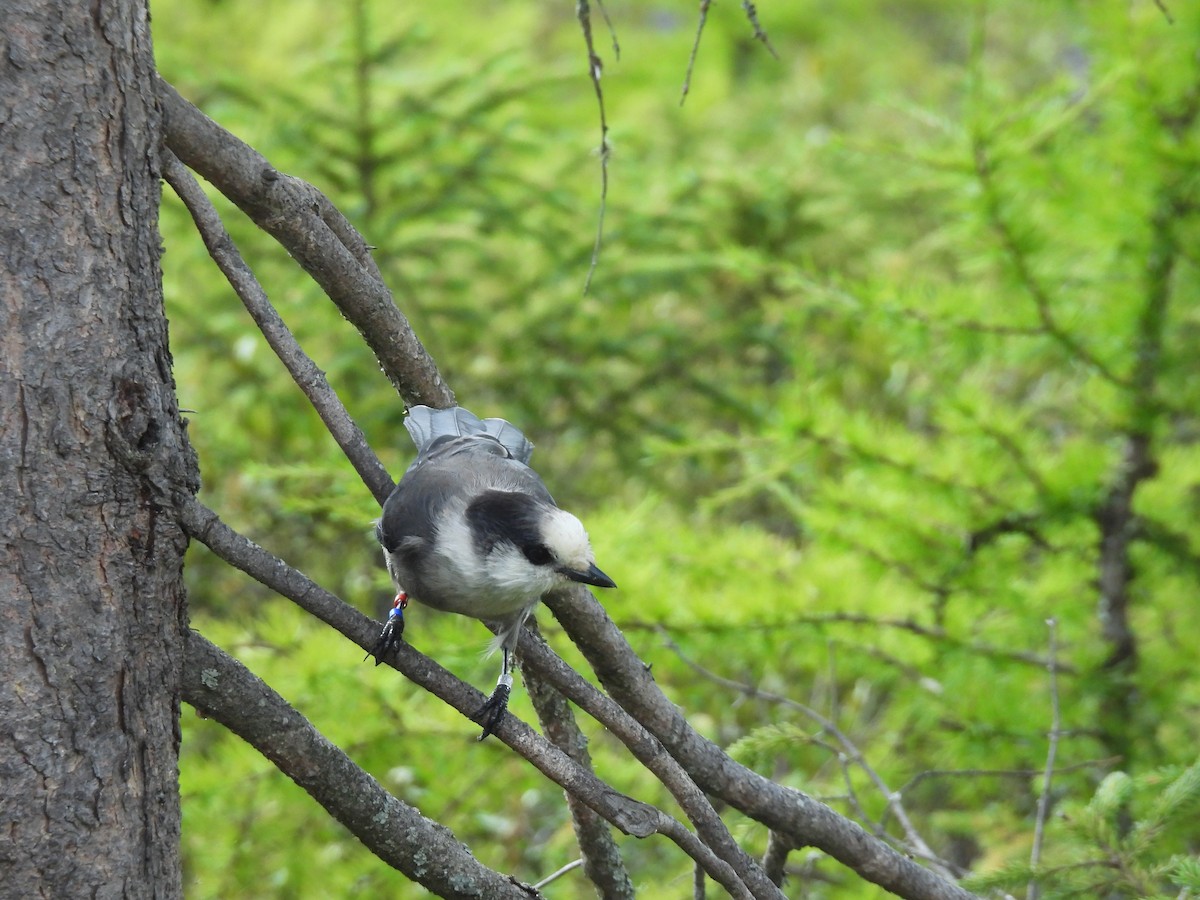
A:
x,y
496,516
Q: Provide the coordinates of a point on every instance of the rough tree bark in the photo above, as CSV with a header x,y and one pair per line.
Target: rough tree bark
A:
x,y
93,459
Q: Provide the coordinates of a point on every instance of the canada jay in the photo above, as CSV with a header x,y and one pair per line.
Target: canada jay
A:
x,y
472,529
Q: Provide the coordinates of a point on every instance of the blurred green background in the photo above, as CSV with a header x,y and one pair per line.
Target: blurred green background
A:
x,y
875,325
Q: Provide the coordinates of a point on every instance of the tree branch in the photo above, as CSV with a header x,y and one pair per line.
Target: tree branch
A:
x,y
307,375
775,857
602,861
631,816
759,35
538,659
298,216
221,688
802,819
687,77
596,70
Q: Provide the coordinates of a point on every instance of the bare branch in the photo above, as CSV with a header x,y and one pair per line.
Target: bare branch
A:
x,y
798,816
181,178
559,873
307,375
775,859
538,659
759,34
611,30
293,212
687,78
601,861
631,816
1043,807
221,688
595,70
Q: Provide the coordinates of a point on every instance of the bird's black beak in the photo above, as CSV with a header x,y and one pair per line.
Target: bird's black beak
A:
x,y
591,576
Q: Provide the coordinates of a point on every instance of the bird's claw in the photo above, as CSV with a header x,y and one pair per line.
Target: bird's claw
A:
x,y
393,630
490,714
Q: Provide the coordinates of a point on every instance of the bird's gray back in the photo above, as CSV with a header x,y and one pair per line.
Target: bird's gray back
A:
x,y
450,472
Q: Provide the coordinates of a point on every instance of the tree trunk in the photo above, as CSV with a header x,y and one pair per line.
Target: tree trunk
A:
x,y
93,459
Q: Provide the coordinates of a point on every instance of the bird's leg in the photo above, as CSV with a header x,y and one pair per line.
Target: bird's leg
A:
x,y
393,629
490,714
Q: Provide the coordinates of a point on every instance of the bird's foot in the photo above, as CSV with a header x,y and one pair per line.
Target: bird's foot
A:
x,y
490,714
393,630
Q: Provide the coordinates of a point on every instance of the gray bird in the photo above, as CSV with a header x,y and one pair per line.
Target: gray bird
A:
x,y
471,529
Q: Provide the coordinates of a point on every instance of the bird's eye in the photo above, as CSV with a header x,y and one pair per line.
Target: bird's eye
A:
x,y
538,554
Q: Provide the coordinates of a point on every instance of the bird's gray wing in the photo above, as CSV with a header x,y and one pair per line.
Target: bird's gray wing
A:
x,y
414,506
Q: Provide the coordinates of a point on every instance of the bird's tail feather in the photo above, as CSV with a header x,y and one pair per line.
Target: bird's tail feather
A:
x,y
511,437
510,632
426,425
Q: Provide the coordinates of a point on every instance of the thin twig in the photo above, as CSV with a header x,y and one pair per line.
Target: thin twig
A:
x,y
759,34
307,375
595,70
687,78
611,30
1043,808
554,876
